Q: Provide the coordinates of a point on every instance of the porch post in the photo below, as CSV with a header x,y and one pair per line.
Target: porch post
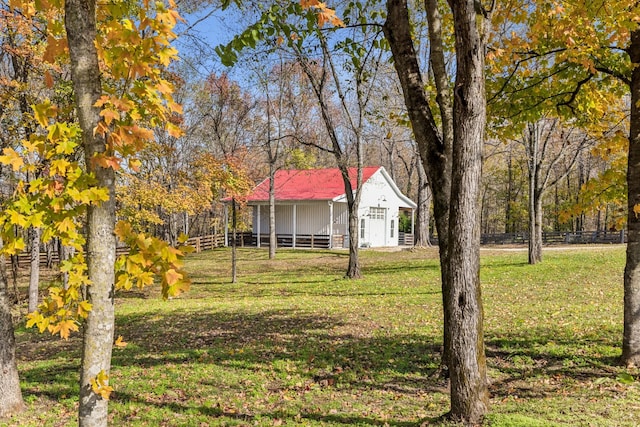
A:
x,y
295,220
258,226
226,224
330,224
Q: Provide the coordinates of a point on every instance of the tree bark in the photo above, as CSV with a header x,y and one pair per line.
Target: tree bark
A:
x,y
469,389
34,266
455,180
435,150
80,23
421,238
234,241
631,334
535,195
273,238
10,395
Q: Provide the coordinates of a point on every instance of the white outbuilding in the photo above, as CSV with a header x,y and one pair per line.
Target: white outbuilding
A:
x,y
311,209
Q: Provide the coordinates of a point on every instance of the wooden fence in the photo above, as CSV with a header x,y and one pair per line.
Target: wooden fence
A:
x,y
553,238
203,243
312,241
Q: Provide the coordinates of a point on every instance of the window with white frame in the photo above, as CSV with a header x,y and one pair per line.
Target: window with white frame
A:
x,y
362,223
376,213
392,228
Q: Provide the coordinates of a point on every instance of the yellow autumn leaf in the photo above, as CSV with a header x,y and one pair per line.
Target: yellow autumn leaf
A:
x,y
11,157
64,327
84,307
120,343
100,385
172,276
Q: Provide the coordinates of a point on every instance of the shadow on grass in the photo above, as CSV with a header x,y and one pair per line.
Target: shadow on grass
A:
x,y
546,361
221,413
270,336
364,360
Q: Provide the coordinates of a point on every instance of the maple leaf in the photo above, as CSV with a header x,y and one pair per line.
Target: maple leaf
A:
x,y
64,327
11,157
109,115
100,385
107,161
172,276
84,307
120,342
66,224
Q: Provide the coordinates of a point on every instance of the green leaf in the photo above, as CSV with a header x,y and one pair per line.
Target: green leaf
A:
x,y
625,378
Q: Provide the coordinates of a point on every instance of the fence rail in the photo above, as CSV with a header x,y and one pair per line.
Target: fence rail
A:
x,y
553,238
313,241
321,241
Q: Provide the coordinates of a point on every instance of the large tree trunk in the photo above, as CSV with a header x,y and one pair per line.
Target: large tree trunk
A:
x,y
458,224
10,394
80,22
34,276
469,389
631,335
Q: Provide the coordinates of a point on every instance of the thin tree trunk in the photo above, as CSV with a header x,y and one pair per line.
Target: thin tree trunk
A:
x,y
353,270
10,395
508,227
234,242
80,23
631,334
272,212
34,277
421,238
535,239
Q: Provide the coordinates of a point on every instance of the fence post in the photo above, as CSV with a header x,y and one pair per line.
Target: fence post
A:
x,y
622,236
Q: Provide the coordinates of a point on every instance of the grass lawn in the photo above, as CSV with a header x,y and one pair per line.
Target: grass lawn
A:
x,y
295,344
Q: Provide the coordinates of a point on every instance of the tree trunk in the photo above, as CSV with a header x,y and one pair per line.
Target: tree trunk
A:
x,y
469,389
34,276
353,270
457,226
10,395
421,238
508,226
535,195
234,242
273,242
80,23
535,228
434,150
631,335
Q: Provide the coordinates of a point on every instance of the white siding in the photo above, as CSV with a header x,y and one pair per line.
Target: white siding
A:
x,y
311,218
340,218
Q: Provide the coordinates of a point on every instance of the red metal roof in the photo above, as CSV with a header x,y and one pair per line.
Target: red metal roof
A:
x,y
311,184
